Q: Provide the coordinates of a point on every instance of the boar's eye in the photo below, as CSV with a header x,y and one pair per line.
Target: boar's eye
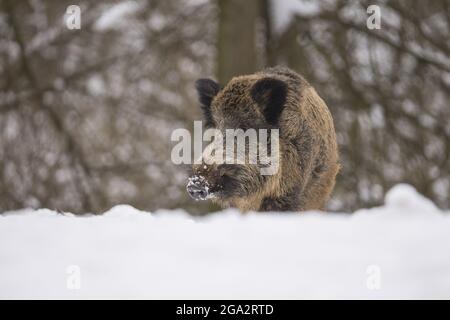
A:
x,y
207,89
270,95
229,185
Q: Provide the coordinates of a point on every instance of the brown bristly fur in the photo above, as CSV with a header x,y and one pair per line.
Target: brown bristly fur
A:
x,y
309,159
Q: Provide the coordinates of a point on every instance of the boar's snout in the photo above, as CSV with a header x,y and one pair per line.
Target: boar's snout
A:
x,y
198,188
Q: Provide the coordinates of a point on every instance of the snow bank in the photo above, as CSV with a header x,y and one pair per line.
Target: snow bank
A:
x,y
400,250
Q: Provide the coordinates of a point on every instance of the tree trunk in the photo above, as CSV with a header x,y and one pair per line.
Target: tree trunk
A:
x,y
237,53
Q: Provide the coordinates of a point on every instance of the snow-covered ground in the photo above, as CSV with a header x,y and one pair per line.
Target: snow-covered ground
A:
x,y
400,250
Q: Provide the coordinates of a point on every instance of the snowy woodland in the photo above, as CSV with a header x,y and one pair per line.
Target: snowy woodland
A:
x,y
88,188
86,115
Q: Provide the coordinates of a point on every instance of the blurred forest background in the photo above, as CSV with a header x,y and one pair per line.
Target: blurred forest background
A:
x,y
86,115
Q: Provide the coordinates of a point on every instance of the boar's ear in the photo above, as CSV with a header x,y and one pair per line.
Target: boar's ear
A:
x,y
270,95
207,90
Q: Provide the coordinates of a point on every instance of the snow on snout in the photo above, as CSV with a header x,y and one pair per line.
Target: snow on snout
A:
x,y
198,180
